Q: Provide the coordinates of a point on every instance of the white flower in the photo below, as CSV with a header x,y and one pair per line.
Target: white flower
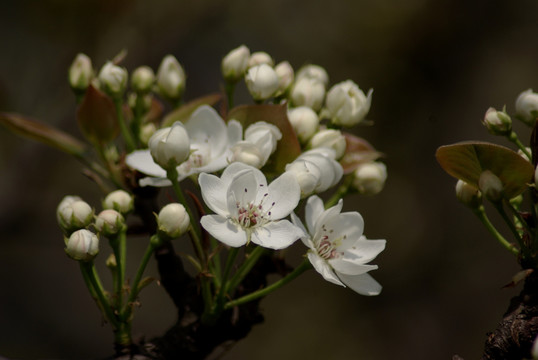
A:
x,y
497,122
527,107
142,79
109,222
234,64
346,104
329,138
173,220
260,142
260,57
262,81
170,146
82,245
304,121
337,248
171,78
491,186
315,72
284,71
211,140
369,178
113,79
80,72
308,92
249,210
119,200
73,213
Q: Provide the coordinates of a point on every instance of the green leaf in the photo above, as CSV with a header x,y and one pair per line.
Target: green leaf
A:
x,y
288,148
183,112
358,151
467,160
97,118
44,133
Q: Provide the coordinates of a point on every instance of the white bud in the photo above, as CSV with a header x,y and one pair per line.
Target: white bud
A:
x,y
369,178
261,129
173,220
497,122
80,72
527,107
284,71
113,79
142,79
119,200
329,138
307,174
260,57
74,214
468,194
491,186
305,122
315,72
146,132
82,245
234,64
170,146
109,222
346,104
308,92
247,153
262,81
331,171
171,78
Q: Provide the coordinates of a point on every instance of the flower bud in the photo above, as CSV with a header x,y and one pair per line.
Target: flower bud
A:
x,y
527,107
119,200
111,262
346,104
247,153
284,71
170,146
262,82
314,72
261,129
80,72
173,220
82,245
305,122
491,186
74,214
171,78
497,122
146,132
113,79
142,79
307,174
234,65
369,178
308,92
109,222
260,57
468,194
329,138
331,170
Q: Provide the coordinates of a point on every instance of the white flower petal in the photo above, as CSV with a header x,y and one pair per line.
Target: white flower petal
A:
x,y
349,267
142,161
154,181
313,209
224,230
283,196
365,250
323,268
306,238
214,193
343,230
363,284
242,191
206,126
235,132
330,213
276,234
233,169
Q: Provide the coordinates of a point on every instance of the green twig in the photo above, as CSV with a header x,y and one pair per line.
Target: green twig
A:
x,y
481,214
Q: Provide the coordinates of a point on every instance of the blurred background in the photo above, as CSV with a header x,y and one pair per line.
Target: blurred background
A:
x,y
435,66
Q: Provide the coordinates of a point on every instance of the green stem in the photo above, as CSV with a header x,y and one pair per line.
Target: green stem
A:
x,y
126,133
500,208
305,265
230,260
230,91
90,273
215,260
127,309
481,214
514,139
340,192
119,246
245,269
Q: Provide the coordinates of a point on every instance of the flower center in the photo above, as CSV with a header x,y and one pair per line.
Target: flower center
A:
x,y
251,215
327,247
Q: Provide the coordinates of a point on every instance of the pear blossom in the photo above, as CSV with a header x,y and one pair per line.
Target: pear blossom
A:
x,y
285,74
497,122
307,91
337,248
346,104
262,81
527,107
247,209
329,138
260,142
305,122
82,245
260,57
234,64
211,140
315,72
80,72
369,178
171,78
113,79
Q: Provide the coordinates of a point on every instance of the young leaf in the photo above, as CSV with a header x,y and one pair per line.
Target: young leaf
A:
x,y
44,133
96,117
288,148
467,160
184,112
358,151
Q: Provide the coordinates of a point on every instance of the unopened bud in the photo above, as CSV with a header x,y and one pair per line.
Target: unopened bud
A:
x,y
284,71
527,107
146,132
491,186
234,64
111,262
170,146
315,72
74,214
113,79
308,92
369,178
329,138
82,245
80,72
119,200
468,194
262,81
260,57
247,153
497,122
171,78
173,220
142,79
109,222
304,121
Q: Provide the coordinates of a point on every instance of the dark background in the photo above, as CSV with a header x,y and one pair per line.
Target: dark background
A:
x,y
435,66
